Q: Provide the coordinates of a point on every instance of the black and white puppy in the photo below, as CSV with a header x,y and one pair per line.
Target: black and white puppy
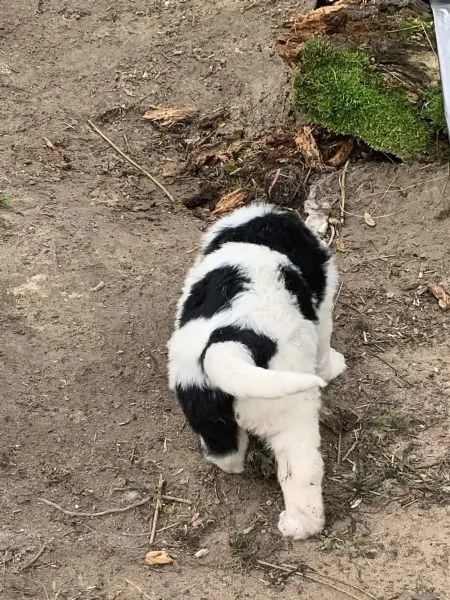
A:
x,y
251,350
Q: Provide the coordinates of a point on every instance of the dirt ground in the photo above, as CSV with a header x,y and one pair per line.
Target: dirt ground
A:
x,y
91,261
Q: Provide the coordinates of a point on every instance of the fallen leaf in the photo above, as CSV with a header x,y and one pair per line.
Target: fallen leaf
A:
x,y
441,295
340,245
169,116
169,169
157,557
369,220
230,201
307,145
105,196
341,155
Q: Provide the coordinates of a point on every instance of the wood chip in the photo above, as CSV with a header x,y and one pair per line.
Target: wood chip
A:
x,y
342,154
308,148
49,143
441,295
369,220
230,201
157,557
169,116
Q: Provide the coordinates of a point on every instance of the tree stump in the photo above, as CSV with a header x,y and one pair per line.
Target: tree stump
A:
x,y
369,69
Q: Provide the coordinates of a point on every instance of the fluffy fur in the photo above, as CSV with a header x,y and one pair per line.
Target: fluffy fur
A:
x,y
251,349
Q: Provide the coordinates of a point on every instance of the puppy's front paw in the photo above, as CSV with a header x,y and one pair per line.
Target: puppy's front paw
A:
x,y
299,525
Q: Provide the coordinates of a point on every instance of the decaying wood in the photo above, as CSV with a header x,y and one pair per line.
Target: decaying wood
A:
x,y
408,60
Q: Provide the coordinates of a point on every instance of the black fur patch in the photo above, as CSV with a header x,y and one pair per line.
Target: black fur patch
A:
x,y
295,285
210,413
262,348
283,232
213,293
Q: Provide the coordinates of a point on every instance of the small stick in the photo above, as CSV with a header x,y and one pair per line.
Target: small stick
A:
x,y
175,499
390,185
130,160
138,589
332,587
337,295
333,233
263,563
342,179
311,578
34,559
110,511
157,509
168,527
385,362
350,585
338,459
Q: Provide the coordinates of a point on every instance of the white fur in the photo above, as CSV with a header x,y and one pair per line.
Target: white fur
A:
x,y
289,423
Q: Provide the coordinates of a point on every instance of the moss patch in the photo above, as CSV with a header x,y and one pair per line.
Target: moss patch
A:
x,y
340,90
5,202
433,108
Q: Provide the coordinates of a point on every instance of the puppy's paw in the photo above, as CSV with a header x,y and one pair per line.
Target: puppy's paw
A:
x,y
336,365
299,525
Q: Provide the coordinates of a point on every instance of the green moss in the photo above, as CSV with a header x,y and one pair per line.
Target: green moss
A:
x,y
433,107
5,202
417,28
340,90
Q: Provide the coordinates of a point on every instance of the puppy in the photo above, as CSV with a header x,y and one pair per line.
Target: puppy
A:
x,y
251,350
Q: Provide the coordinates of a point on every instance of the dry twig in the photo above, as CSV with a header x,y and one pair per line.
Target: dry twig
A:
x,y
94,127
138,589
296,571
102,513
157,509
175,499
112,511
34,560
342,178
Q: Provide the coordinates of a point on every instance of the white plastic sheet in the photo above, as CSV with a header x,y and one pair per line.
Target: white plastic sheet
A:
x,y
441,14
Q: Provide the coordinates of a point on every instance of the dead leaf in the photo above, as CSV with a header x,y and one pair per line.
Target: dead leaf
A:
x,y
340,245
105,196
230,201
169,116
169,169
49,143
341,155
307,145
157,557
441,295
369,220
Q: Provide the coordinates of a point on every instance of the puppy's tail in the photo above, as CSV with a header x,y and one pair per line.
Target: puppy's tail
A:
x,y
230,367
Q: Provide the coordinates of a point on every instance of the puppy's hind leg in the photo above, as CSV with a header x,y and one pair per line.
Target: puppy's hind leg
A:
x,y
300,471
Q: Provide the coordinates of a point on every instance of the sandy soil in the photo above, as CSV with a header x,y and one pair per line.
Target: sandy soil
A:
x,y
91,260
